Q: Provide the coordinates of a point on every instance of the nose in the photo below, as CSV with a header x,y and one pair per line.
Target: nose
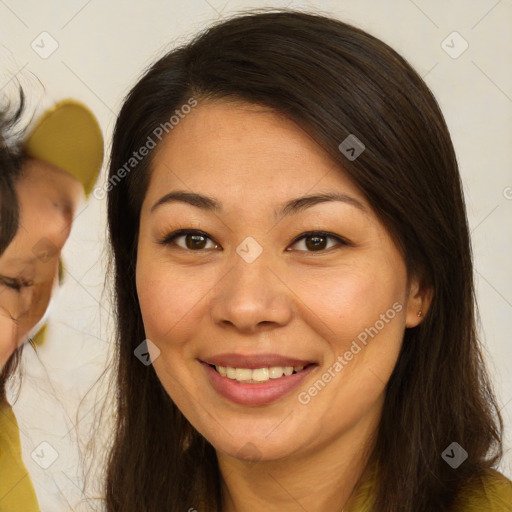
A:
x,y
251,297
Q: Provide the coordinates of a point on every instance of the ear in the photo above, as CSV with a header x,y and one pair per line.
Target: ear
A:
x,y
418,302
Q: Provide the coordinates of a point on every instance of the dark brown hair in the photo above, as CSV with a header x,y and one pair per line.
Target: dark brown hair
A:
x,y
10,167
333,80
10,158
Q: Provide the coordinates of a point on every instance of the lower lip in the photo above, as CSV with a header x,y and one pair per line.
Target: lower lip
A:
x,y
255,394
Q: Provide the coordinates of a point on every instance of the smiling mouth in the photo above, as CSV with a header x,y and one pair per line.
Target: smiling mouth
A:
x,y
258,375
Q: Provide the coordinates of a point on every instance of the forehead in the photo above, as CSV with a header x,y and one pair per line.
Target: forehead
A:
x,y
244,151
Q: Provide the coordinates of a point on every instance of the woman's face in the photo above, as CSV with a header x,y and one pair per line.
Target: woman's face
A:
x,y
251,291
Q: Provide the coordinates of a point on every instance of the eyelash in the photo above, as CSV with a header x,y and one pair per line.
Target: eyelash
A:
x,y
14,283
170,238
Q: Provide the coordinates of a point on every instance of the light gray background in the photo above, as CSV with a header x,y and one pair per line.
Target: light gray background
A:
x,y
103,46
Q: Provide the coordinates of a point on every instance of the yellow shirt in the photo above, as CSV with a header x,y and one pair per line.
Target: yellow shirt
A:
x,y
16,490
491,493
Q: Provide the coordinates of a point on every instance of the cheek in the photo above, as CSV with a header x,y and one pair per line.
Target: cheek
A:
x,y
168,299
364,310
351,299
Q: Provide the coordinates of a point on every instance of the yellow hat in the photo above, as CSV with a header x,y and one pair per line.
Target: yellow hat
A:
x,y
69,137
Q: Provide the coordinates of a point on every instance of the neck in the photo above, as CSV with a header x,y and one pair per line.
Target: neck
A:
x,y
321,479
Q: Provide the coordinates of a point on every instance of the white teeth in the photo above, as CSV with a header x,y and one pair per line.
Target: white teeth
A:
x,y
260,375
249,376
243,374
275,372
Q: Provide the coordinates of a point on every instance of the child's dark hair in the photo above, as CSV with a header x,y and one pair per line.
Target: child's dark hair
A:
x,y
10,164
11,156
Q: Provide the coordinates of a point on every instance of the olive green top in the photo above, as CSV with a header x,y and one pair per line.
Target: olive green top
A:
x,y
16,490
489,493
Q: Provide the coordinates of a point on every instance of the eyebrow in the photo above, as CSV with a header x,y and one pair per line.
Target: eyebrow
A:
x,y
292,206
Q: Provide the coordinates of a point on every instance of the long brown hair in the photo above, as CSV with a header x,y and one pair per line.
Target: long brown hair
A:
x,y
333,80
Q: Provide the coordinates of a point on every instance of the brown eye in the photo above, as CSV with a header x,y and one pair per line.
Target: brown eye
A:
x,y
195,241
189,240
317,241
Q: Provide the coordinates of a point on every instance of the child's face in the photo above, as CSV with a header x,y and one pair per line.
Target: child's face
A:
x,y
47,199
252,292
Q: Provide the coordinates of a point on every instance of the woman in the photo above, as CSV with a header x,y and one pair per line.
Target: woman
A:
x,y
290,241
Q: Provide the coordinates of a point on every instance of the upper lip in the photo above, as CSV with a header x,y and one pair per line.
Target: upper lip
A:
x,y
254,361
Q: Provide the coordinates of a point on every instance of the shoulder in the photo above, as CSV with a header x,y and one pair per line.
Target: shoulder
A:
x,y
491,492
